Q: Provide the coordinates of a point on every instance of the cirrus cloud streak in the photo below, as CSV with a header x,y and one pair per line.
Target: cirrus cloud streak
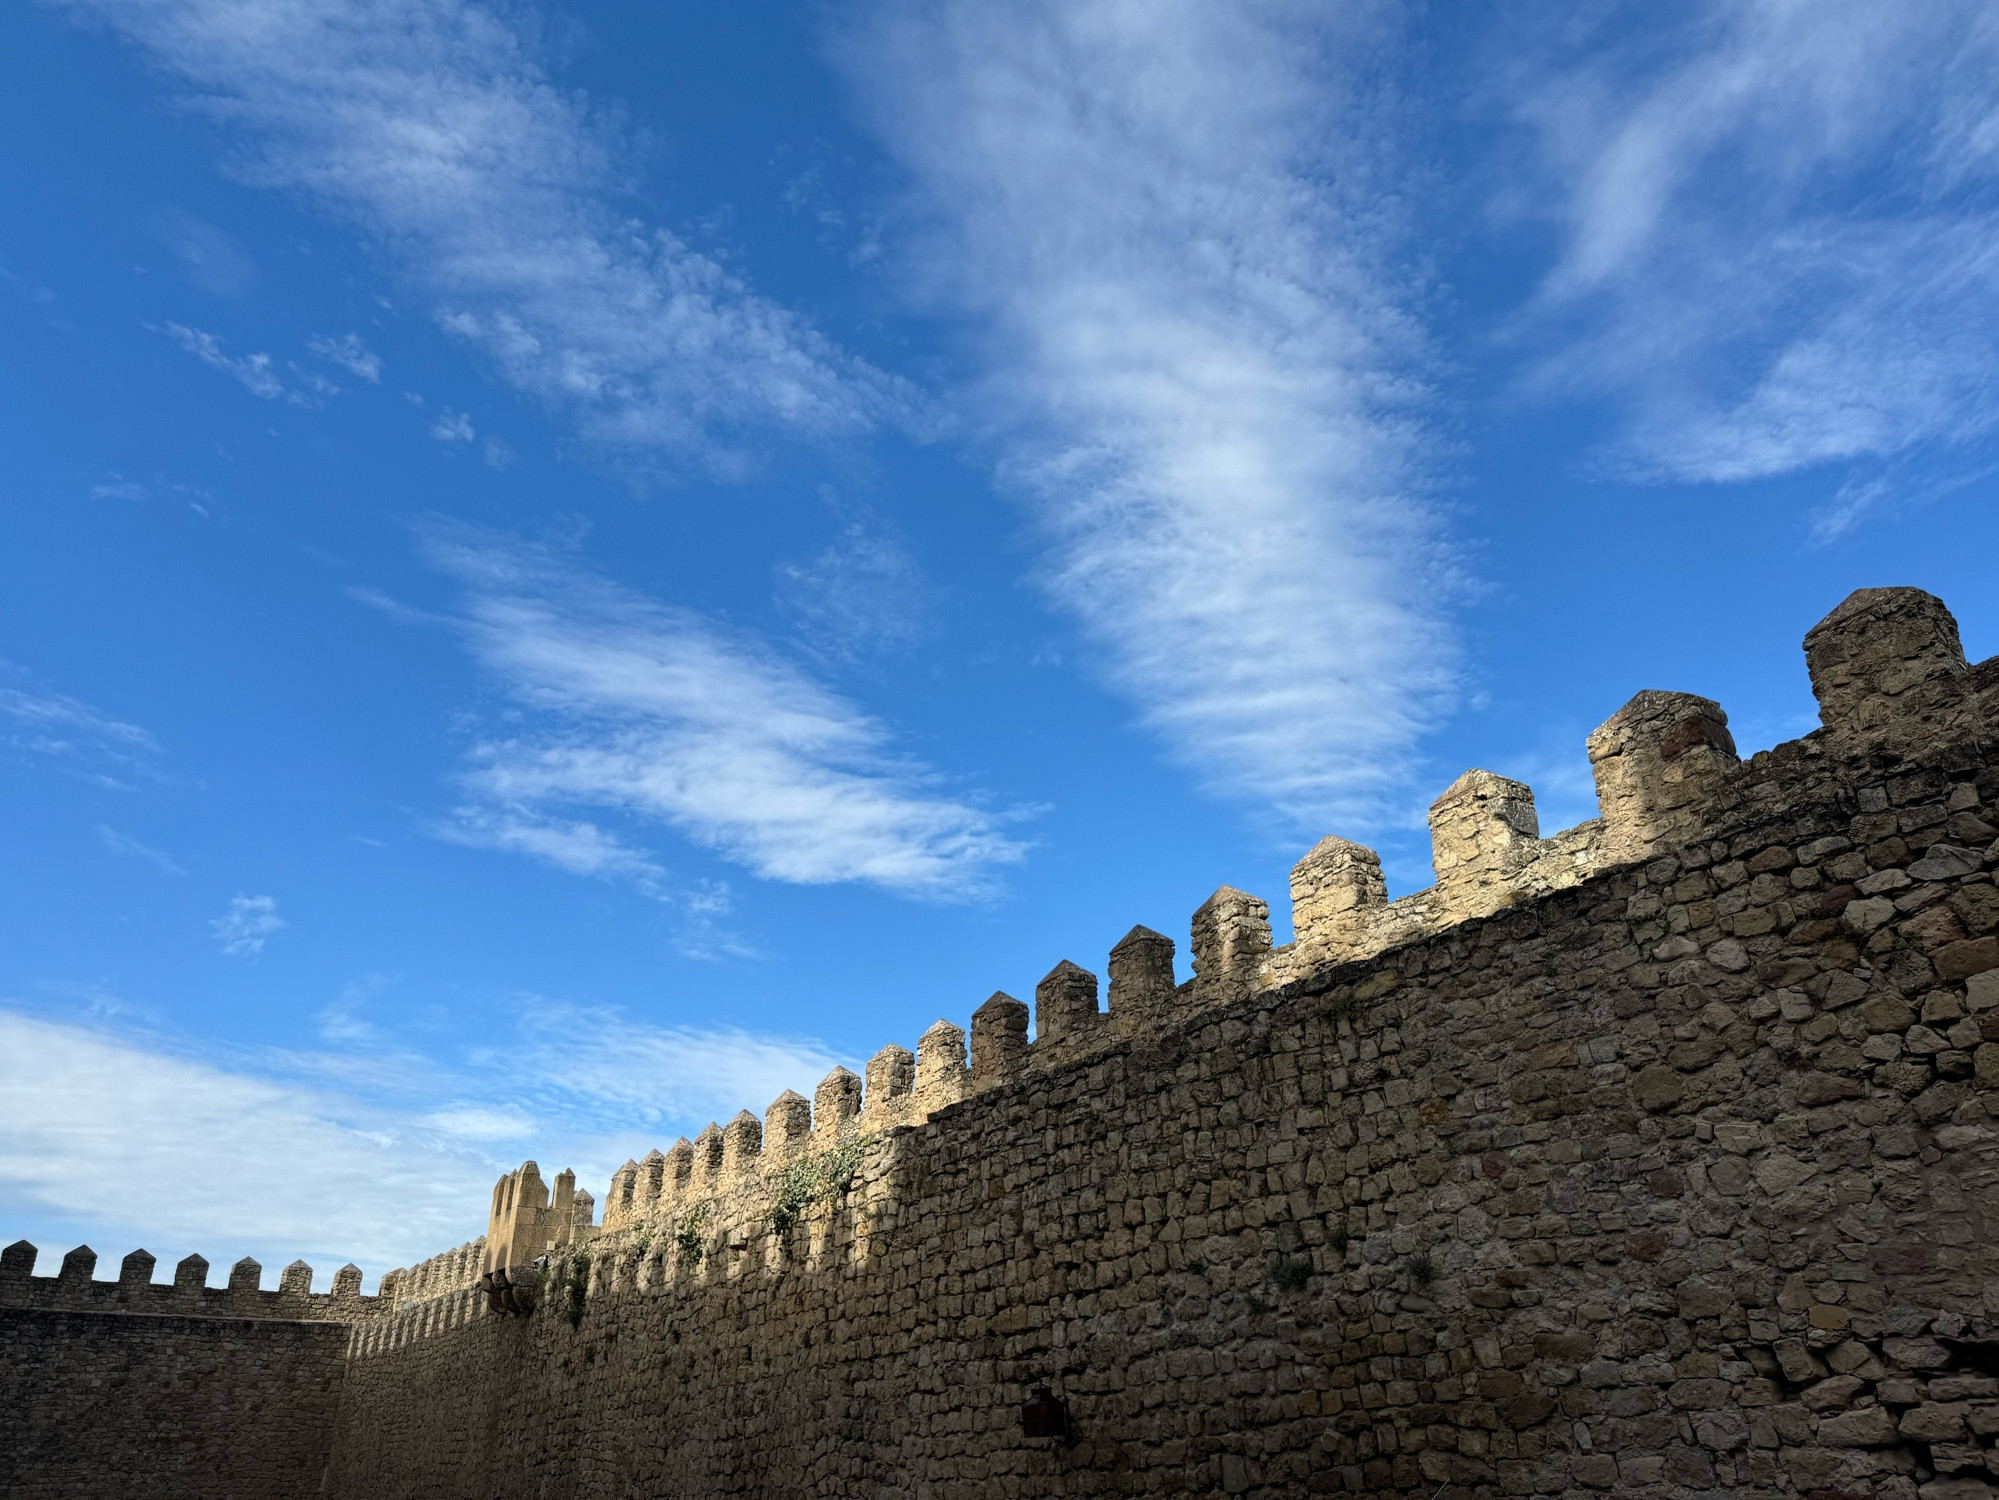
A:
x,y
659,714
429,127
1165,228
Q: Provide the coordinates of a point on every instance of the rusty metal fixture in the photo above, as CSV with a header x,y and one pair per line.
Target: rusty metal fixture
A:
x,y
1044,1414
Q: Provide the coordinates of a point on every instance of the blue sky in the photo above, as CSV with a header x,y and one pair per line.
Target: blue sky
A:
x,y
571,566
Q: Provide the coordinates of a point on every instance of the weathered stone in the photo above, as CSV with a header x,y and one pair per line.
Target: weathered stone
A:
x,y
1935,1421
1916,1353
1961,960
1871,1427
1799,1363
1834,1394
1657,1088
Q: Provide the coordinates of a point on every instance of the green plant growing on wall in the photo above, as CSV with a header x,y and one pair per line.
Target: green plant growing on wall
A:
x,y
1421,1269
796,1186
814,1180
579,1286
688,1239
641,1243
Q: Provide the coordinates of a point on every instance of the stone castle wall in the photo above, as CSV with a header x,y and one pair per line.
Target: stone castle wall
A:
x,y
116,1406
1656,1158
137,1388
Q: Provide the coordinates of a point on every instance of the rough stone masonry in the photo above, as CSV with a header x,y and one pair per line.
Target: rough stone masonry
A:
x,y
1656,1158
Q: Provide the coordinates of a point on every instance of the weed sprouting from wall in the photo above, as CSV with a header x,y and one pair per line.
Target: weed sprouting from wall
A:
x,y
687,1240
579,1286
814,1180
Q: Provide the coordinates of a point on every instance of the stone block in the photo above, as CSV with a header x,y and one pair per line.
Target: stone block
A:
x,y
999,1040
1884,665
1142,990
1231,940
1658,761
1065,1008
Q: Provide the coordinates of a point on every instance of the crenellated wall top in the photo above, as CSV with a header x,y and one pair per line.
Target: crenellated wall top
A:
x,y
1892,684
75,1288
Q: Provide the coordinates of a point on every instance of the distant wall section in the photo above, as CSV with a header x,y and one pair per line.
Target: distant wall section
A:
x,y
103,1405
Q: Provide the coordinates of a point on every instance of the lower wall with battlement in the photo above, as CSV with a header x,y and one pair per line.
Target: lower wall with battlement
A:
x,y
123,1406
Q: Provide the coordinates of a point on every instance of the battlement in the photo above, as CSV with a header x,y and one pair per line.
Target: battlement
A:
x,y
1891,680
421,1301
75,1288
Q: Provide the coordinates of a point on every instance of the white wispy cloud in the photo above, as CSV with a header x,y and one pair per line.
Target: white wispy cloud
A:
x,y
252,371
452,427
428,126
660,714
569,844
350,353
863,596
73,734
127,847
247,925
1167,224
116,486
209,256
376,1153
609,1059
1777,232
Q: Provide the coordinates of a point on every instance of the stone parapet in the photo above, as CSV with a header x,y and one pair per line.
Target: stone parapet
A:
x,y
1889,674
75,1288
